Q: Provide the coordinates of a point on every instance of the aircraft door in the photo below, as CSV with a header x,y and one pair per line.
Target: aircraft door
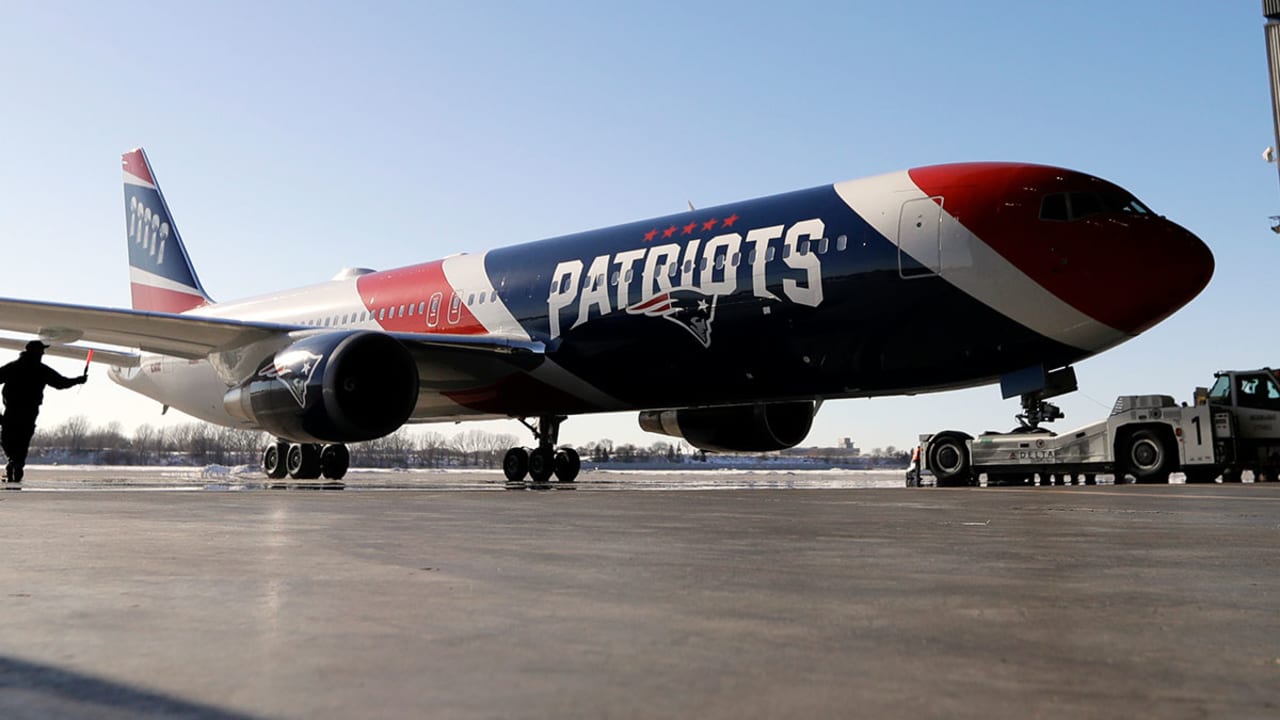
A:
x,y
919,237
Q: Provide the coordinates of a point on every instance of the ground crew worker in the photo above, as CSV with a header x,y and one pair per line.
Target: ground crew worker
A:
x,y
24,380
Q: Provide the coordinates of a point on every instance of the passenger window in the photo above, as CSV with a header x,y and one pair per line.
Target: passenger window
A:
x,y
733,262
673,269
771,254
422,306
471,299
751,256
804,248
719,262
1054,207
842,242
786,251
382,313
613,279
822,246
411,309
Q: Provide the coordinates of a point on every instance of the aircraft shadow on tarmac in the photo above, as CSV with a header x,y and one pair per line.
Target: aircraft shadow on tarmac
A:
x,y
33,690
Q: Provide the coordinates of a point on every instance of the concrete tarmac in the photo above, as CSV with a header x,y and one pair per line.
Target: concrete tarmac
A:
x,y
1078,602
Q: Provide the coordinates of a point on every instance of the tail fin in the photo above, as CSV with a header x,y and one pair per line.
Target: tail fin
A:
x,y
160,273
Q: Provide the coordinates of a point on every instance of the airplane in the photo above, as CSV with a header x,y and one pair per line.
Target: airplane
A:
x,y
726,326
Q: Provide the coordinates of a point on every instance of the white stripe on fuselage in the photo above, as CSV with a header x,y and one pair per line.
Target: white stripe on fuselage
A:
x,y
975,268
467,272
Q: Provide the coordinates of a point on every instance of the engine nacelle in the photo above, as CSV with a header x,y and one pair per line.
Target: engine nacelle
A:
x,y
736,428
335,387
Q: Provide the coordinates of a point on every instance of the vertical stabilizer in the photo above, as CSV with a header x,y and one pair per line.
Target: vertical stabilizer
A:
x,y
161,277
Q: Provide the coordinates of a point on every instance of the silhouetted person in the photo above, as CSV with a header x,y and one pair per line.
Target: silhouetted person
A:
x,y
24,380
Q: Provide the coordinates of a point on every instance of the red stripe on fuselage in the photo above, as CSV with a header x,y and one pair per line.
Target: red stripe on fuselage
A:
x,y
1125,270
146,297
402,300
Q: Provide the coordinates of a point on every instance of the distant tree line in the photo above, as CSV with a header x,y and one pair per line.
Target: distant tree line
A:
x,y
77,441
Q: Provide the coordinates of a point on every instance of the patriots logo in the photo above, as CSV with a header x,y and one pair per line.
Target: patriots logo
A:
x,y
691,309
294,370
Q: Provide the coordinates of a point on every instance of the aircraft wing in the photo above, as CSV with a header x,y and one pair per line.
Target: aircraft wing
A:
x,y
165,333
195,337
103,356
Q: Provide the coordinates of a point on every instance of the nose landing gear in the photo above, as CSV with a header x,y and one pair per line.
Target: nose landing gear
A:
x,y
541,463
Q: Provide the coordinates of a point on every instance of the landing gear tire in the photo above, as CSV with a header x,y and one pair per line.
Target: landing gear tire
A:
x,y
273,461
544,461
515,465
542,465
567,465
949,460
335,460
1146,457
303,461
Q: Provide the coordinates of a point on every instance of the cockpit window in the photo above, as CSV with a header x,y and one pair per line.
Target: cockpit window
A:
x,y
1076,205
1084,204
1054,207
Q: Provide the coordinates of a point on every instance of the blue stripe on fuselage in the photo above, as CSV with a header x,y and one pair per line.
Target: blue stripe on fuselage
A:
x,y
734,336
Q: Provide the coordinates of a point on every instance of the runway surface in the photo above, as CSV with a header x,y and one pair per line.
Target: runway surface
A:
x,y
773,600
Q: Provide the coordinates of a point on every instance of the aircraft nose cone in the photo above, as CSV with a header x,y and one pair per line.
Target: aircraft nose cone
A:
x,y
1169,268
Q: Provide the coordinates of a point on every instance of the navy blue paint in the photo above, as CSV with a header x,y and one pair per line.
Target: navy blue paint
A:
x,y
874,333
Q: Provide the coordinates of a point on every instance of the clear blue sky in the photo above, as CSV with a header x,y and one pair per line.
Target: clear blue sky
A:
x,y
293,139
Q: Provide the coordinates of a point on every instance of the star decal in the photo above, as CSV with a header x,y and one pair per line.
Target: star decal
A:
x,y
729,221
688,229
669,232
649,236
709,224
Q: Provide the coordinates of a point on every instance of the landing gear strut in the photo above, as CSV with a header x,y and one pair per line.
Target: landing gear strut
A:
x,y
305,461
543,461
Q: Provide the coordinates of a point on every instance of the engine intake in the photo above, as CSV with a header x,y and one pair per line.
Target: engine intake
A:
x,y
736,428
335,387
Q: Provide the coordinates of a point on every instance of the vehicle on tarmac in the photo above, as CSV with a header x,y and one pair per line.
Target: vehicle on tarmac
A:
x,y
1230,428
727,326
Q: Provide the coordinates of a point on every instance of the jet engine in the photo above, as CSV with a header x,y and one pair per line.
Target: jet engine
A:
x,y
335,387
736,428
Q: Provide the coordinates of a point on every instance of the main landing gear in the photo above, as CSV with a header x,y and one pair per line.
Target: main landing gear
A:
x,y
540,463
305,461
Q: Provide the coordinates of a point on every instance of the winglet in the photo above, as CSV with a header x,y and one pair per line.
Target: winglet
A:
x,y
161,276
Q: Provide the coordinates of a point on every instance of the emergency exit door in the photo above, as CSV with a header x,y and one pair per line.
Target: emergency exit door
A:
x,y
920,237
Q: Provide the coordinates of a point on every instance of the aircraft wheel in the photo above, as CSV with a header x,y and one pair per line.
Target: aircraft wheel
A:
x,y
949,460
515,465
567,465
304,461
334,461
273,461
542,464
1146,457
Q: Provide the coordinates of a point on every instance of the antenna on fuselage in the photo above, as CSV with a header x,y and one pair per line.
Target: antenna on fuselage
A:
x,y
690,205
